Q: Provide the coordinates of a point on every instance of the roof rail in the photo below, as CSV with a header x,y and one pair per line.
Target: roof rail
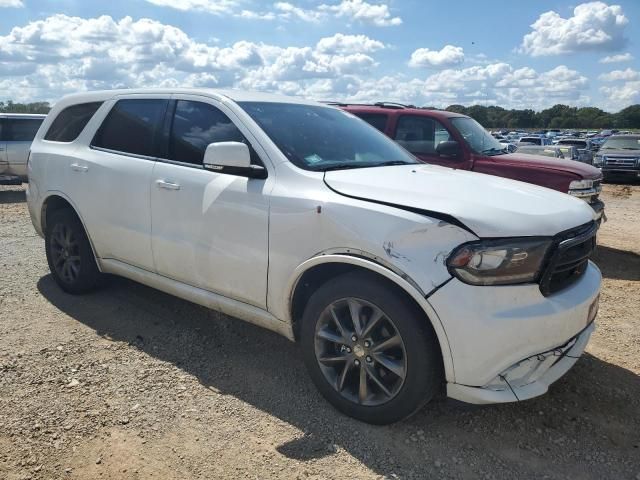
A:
x,y
392,105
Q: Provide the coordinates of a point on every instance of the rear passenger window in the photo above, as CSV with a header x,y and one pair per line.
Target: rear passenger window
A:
x,y
195,126
22,130
420,135
376,120
132,126
71,121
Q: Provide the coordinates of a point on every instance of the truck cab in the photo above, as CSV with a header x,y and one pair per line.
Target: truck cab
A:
x,y
457,141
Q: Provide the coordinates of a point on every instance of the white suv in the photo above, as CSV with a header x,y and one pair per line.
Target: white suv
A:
x,y
16,133
395,277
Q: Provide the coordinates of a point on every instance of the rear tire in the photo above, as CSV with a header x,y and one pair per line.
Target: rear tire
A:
x,y
391,345
69,253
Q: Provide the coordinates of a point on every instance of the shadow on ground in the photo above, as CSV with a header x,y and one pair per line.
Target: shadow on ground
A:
x,y
596,404
12,196
617,264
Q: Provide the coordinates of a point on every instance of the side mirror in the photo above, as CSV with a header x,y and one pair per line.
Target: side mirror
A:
x,y
233,158
450,148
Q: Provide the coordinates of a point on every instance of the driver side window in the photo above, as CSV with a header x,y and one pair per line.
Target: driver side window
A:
x,y
195,125
420,135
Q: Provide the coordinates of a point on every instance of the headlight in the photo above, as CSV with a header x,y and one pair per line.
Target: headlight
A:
x,y
598,160
581,184
499,262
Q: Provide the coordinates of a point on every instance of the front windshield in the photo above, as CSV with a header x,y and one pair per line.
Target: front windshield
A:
x,y
478,139
621,143
324,138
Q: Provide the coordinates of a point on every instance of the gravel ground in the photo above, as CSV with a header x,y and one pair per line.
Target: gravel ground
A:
x,y
129,382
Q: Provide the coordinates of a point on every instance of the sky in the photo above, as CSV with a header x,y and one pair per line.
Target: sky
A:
x,y
516,54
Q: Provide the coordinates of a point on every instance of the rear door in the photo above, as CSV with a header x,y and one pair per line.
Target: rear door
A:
x,y
20,134
209,229
110,175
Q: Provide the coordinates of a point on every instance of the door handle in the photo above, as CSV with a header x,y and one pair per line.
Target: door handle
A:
x,y
167,185
79,168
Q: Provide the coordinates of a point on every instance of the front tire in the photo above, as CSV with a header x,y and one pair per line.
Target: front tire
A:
x,y
69,253
372,353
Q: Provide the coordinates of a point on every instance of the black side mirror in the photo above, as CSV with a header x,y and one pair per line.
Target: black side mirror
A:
x,y
450,148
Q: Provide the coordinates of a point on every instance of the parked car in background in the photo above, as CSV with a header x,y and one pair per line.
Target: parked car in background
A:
x,y
619,157
507,144
395,277
457,141
583,145
534,140
16,133
547,151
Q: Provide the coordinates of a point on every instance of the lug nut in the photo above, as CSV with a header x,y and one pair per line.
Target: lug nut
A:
x,y
367,343
354,338
348,349
356,363
369,359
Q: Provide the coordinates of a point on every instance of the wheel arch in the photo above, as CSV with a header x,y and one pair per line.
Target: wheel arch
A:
x,y
55,201
316,271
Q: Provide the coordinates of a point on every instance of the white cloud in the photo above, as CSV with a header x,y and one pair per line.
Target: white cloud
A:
x,y
340,43
377,14
64,54
623,57
620,75
594,26
45,59
217,7
447,57
374,14
11,4
622,96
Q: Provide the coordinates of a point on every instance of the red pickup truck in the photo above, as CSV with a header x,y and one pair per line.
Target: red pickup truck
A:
x,y
457,141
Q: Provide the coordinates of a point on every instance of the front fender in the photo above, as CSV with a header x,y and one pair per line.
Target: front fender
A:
x,y
400,279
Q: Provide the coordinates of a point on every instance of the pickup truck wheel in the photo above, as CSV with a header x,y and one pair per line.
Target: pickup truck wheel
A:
x,y
69,253
371,353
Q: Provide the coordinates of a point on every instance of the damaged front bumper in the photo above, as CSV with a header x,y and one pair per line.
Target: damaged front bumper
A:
x,y
528,378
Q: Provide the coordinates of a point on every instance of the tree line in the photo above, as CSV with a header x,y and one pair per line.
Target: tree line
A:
x,y
35,107
558,116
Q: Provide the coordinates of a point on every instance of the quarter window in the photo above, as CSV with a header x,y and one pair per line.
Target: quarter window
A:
x,y
71,121
420,135
22,130
195,126
132,126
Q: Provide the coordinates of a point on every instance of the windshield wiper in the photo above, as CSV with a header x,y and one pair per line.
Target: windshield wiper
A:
x,y
393,162
346,166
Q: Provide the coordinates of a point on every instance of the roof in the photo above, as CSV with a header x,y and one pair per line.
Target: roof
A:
x,y
38,116
390,107
235,95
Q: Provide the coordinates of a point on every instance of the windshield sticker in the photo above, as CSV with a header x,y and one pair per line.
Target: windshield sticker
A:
x,y
313,159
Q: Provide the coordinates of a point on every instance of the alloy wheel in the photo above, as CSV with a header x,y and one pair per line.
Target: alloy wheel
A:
x,y
65,253
360,352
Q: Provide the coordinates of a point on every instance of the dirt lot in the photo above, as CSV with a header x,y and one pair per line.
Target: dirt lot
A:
x,y
132,383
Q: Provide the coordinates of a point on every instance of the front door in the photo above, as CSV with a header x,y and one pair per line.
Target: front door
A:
x,y
421,135
209,229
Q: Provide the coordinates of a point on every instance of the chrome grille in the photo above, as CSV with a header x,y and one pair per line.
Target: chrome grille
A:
x,y
621,161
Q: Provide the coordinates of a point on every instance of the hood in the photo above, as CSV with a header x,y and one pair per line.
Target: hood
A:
x,y
582,170
490,206
619,153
